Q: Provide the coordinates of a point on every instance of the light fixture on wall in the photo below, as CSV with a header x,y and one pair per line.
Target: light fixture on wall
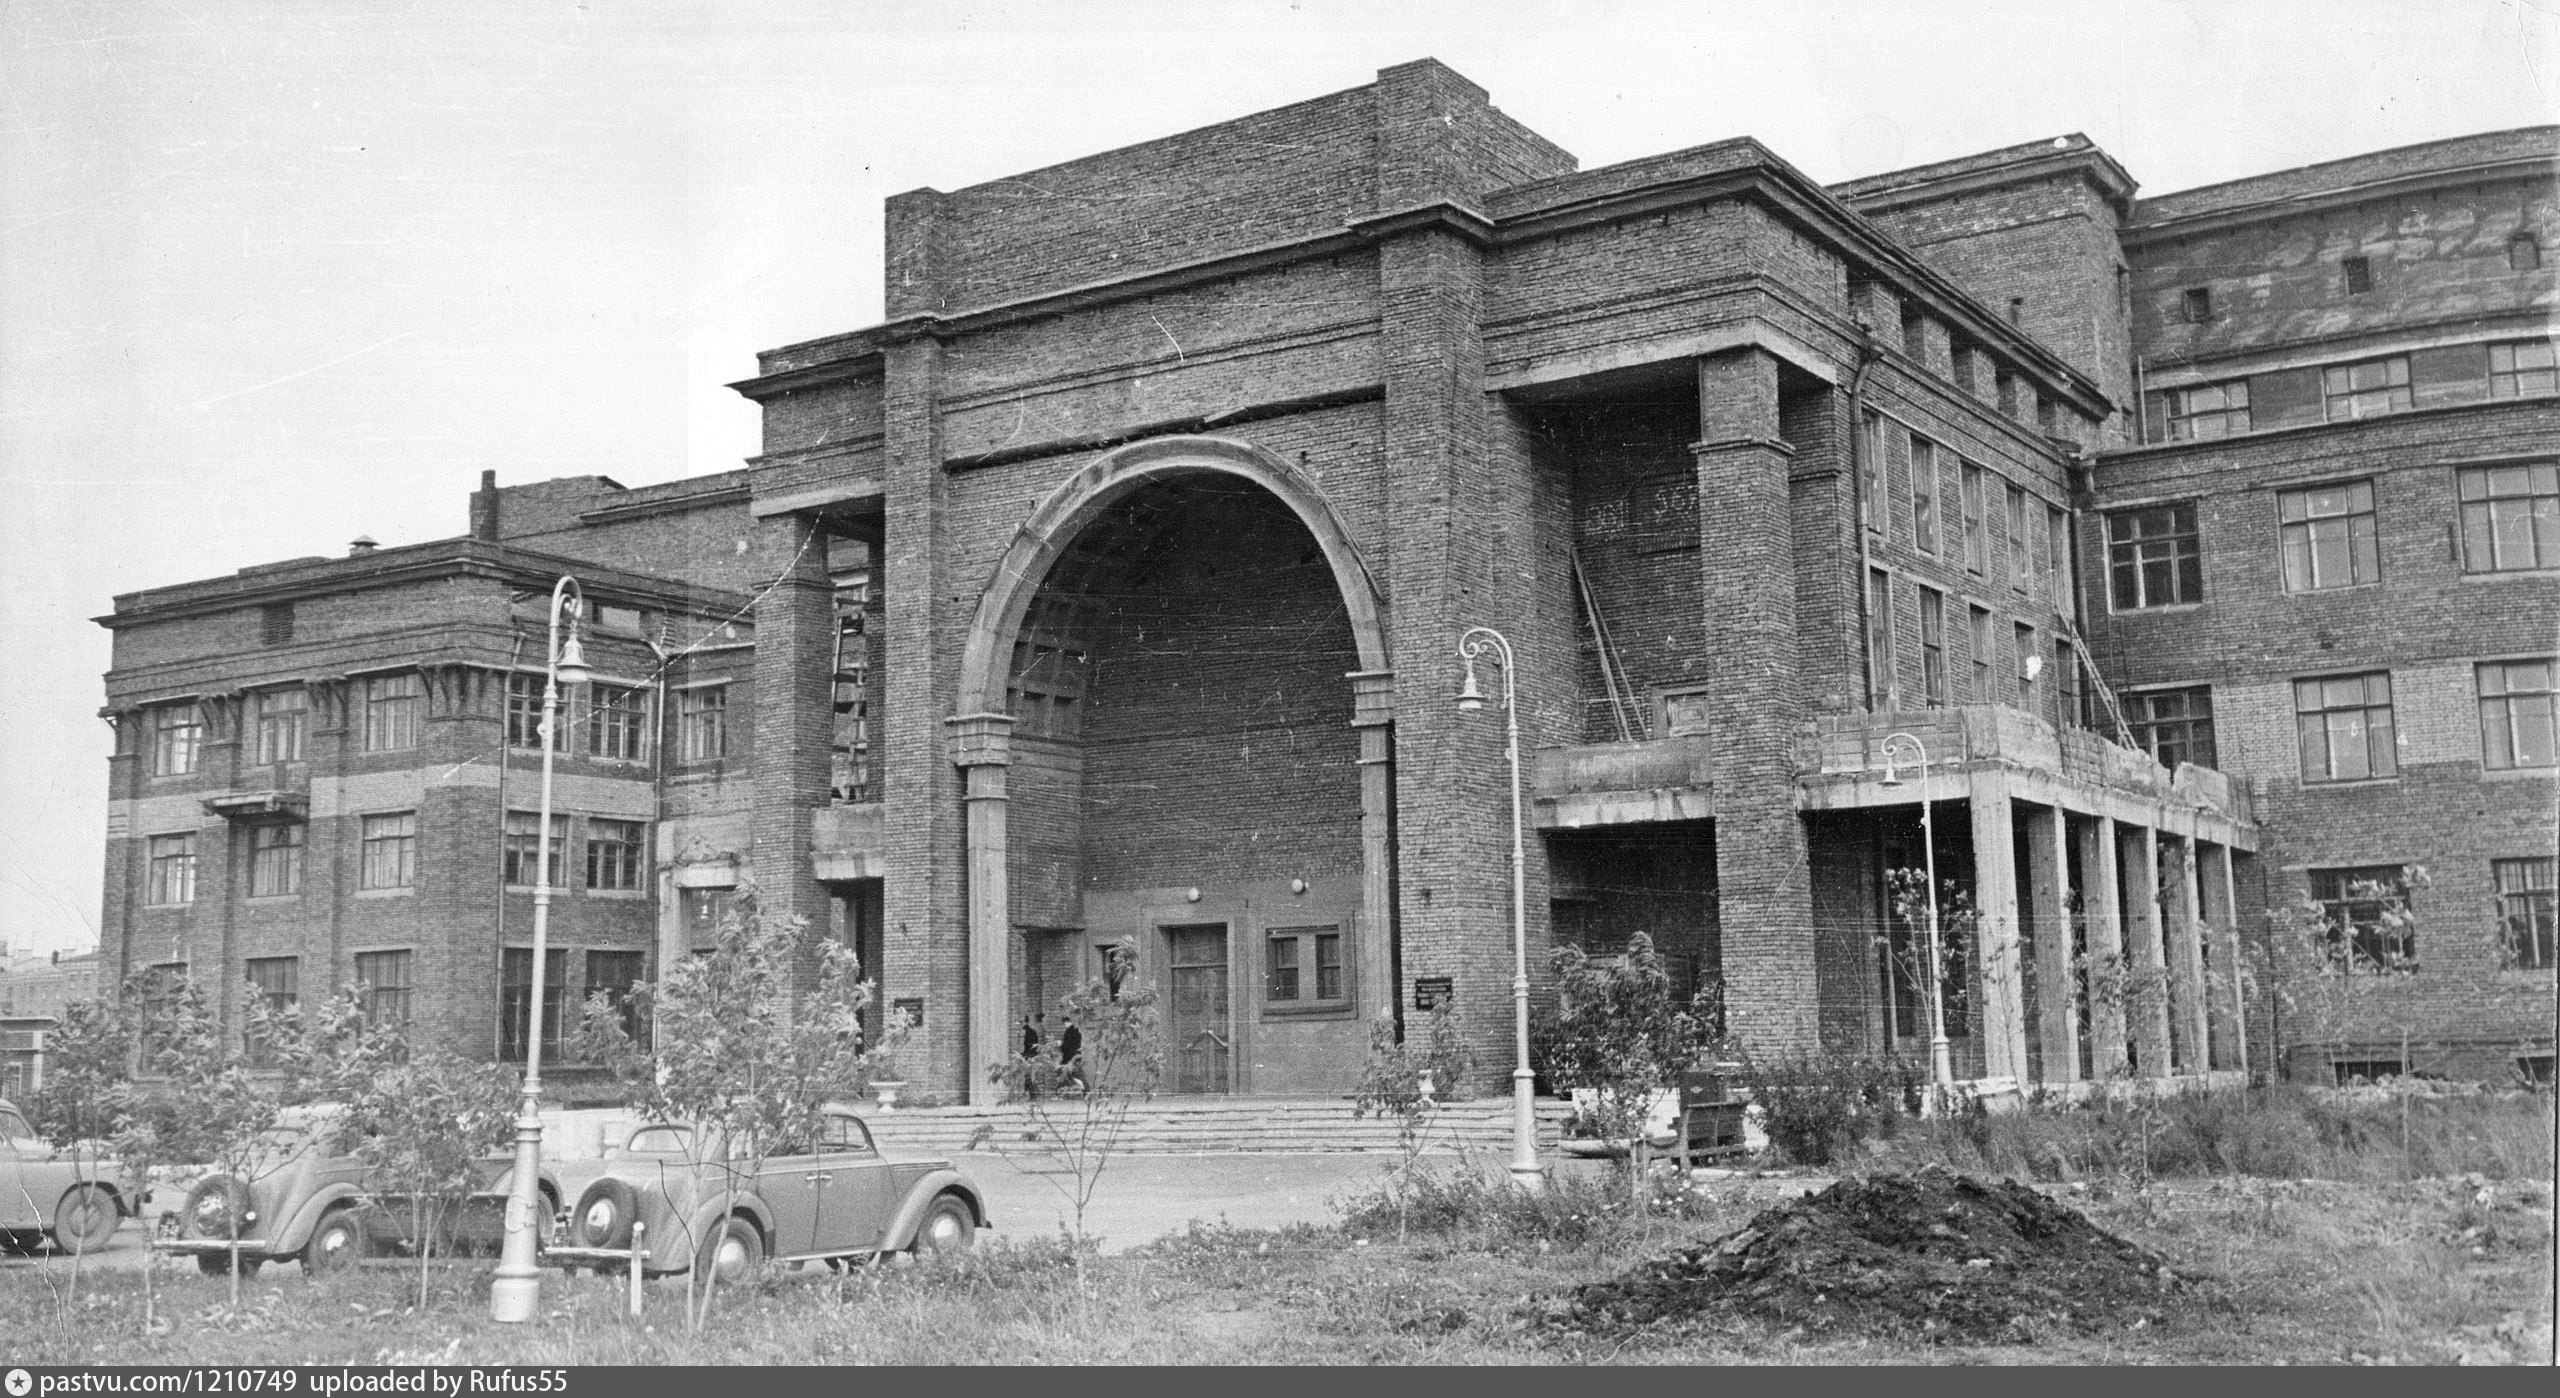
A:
x,y
1297,885
1191,896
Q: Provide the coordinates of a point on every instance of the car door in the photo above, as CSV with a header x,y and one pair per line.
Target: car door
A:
x,y
788,1183
853,1202
17,1140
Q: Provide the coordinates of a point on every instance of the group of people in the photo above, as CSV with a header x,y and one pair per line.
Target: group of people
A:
x,y
1035,1043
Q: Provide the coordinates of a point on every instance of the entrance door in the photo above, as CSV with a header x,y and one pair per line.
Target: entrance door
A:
x,y
1197,959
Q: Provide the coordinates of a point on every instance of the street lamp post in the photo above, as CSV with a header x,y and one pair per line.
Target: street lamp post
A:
x,y
515,1294
1524,1120
1941,1066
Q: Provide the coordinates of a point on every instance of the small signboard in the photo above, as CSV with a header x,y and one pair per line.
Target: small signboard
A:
x,y
912,1009
1429,991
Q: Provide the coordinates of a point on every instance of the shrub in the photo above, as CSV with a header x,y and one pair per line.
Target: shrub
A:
x,y
1816,1110
1485,1211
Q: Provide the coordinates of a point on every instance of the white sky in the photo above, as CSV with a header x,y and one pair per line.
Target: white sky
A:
x,y
273,275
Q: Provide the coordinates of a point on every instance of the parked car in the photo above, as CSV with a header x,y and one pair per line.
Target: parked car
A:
x,y
72,1196
306,1195
831,1199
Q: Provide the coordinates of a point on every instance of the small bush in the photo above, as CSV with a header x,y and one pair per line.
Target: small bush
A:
x,y
1484,1210
1817,1110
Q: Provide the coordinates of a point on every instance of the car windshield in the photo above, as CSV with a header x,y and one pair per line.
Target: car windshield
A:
x,y
661,1140
14,1127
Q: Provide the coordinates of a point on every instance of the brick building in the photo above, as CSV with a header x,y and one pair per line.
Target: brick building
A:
x,y
1110,588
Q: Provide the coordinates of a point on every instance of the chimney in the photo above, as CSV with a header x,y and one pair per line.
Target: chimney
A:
x,y
363,545
484,508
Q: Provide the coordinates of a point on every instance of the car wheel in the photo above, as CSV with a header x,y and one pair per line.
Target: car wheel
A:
x,y
948,1227
733,1252
85,1219
337,1244
604,1214
215,1208
218,1264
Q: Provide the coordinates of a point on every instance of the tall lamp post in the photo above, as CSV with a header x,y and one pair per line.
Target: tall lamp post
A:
x,y
1941,1066
1524,1119
516,1293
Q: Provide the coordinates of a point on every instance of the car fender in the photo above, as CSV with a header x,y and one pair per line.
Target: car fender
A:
x,y
901,1231
297,1229
705,1217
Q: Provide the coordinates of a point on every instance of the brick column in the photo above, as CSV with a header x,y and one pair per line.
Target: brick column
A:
x,y
2103,926
119,890
1763,877
982,748
219,881
2226,993
2148,1008
2001,1018
2057,1009
2186,959
1373,700
794,665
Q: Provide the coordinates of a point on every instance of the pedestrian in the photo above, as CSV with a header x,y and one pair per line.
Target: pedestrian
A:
x,y
1071,1053
1035,1037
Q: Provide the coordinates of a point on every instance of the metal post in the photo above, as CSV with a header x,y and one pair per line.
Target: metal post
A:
x,y
639,1245
1942,1074
1524,1111
515,1293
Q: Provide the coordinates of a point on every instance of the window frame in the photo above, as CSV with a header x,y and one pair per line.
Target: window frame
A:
x,y
515,1003
702,722
2134,557
394,711
282,995
276,858
618,990
170,864
608,872
387,999
1925,533
2309,521
284,723
2173,737
1933,647
2022,556
524,710
1876,502
2380,741
520,847
2355,275
2505,699
2195,305
1971,485
2526,893
1982,640
617,731
2519,379
2338,387
1307,947
2359,944
2206,411
384,850
177,739
2030,685
2486,530
1884,679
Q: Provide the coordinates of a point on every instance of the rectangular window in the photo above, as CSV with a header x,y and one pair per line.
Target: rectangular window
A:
x,y
2522,368
275,860
2030,694
275,624
1985,657
1303,969
2329,538
2510,518
524,711
277,982
2528,912
173,870
1880,676
2367,915
2195,304
1876,499
2057,557
2208,410
702,910
393,704
1915,337
617,721
2173,725
2524,254
613,975
1977,529
282,717
2355,274
383,978
1933,647
2344,722
2370,389
390,850
2152,557
616,850
515,1001
2022,563
524,846
702,718
177,739
2516,715
1924,496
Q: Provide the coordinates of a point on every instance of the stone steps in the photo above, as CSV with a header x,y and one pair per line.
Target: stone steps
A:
x,y
1201,1125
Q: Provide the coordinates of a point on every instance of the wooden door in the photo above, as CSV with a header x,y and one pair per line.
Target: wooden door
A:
x,y
1196,957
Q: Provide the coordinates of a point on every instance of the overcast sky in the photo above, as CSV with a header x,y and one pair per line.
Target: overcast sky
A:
x,y
274,275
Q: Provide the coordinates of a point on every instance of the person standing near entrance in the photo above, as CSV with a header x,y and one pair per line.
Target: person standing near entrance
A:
x,y
1071,1055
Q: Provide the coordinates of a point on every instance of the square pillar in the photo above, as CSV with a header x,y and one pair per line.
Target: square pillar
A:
x,y
2147,1007
2103,926
2000,998
794,718
2226,988
1373,713
981,747
2057,1009
2186,958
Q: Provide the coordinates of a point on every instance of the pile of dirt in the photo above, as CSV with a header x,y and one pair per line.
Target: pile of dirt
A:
x,y
1933,1255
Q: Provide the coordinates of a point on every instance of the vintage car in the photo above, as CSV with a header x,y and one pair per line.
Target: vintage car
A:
x,y
307,1196
72,1196
831,1199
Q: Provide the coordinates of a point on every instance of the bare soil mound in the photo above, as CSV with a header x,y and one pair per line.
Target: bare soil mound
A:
x,y
1933,1255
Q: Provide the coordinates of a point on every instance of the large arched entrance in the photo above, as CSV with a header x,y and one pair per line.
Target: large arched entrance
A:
x,y
1168,669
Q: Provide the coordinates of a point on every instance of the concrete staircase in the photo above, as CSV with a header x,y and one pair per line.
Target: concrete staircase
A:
x,y
1196,1125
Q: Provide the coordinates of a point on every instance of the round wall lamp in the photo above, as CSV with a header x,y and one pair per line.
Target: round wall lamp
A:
x,y
1297,885
1191,896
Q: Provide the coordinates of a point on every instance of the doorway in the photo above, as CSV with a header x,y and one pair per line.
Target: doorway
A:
x,y
1203,1037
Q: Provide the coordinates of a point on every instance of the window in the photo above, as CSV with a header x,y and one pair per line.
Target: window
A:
x,y
1924,496
383,978
1880,676
702,718
2522,368
282,716
2344,722
1977,530
163,986
2152,557
2173,725
702,910
173,870
2030,697
2208,410
2355,1072
275,860
2022,563
177,739
2511,518
2524,253
523,847
2516,724
524,711
2366,911
2057,557
276,981
2528,911
2329,537
1684,711
2370,389
275,624
1304,969
392,707
2004,385
1984,646
1933,647
2195,304
1915,337
613,974
617,721
1875,500
390,850
515,1001
616,850
2355,274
